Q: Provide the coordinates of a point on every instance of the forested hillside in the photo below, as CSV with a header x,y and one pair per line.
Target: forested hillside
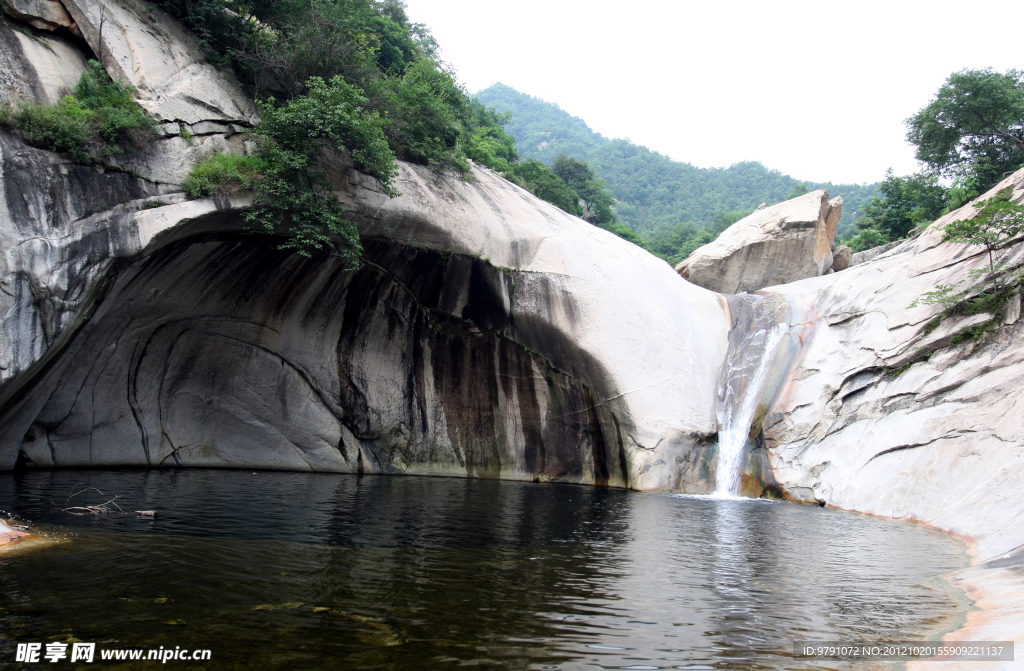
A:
x,y
654,192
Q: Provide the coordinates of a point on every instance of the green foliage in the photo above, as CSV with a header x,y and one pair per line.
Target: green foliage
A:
x,y
906,203
798,190
625,232
535,177
974,127
428,113
342,75
963,191
101,113
867,239
280,47
676,243
896,372
998,223
597,199
291,191
223,174
330,115
975,332
653,192
487,142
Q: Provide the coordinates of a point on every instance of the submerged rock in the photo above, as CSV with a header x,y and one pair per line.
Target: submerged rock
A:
x,y
9,535
783,243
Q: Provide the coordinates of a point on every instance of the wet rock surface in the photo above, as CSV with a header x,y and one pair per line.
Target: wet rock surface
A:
x,y
886,415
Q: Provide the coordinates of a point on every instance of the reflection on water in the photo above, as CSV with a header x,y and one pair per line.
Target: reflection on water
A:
x,y
305,571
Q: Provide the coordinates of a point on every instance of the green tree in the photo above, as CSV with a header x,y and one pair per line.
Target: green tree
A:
x,y
973,127
102,114
428,114
999,223
906,203
653,193
597,199
535,177
487,143
291,191
798,190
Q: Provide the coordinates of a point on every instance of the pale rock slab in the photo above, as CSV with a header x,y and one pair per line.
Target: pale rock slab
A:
x,y
41,14
143,46
517,355
42,68
778,244
941,443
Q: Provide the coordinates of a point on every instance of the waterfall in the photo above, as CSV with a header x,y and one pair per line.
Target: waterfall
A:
x,y
759,326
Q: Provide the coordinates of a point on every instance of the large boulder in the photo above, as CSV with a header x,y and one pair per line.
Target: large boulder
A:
x,y
40,67
41,14
143,46
485,334
783,243
842,258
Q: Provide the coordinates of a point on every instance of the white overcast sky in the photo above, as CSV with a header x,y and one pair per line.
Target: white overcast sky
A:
x,y
818,90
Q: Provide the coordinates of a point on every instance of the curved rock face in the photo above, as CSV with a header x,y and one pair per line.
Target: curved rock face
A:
x,y
778,244
885,416
486,334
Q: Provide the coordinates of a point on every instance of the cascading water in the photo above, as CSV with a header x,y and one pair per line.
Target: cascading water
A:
x,y
761,324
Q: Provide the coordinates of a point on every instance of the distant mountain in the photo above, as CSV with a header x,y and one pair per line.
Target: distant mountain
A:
x,y
654,191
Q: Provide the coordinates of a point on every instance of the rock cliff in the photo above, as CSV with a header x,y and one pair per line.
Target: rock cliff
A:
x,y
883,414
486,333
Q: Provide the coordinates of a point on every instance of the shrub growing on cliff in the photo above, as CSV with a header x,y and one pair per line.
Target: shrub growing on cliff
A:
x,y
102,113
223,174
291,190
998,224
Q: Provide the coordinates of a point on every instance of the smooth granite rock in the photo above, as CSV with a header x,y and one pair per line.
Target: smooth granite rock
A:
x,y
783,243
37,67
484,335
41,14
842,258
143,46
885,418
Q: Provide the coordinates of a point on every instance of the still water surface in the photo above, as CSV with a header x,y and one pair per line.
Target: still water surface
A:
x,y
313,571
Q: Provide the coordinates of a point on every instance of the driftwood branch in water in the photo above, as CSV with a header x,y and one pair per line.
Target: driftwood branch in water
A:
x,y
108,507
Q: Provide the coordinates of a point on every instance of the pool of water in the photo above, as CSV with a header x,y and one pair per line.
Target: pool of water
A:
x,y
316,571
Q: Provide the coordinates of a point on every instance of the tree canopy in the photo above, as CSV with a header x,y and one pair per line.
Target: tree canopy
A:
x,y
974,127
597,199
349,75
905,203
